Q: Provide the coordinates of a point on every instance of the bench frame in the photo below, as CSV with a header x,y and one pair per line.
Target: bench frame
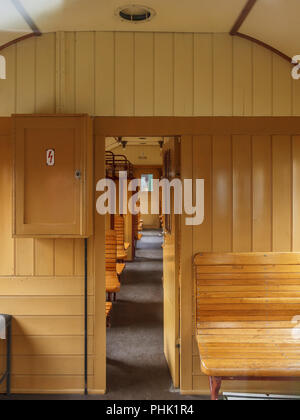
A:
x,y
215,382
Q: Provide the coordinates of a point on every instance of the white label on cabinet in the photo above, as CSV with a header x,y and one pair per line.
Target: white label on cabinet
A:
x,y
50,157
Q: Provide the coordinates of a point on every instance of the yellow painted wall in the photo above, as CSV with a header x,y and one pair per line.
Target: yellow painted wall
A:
x,y
252,195
122,74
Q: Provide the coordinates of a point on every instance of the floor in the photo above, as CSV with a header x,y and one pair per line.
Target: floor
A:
x,y
136,366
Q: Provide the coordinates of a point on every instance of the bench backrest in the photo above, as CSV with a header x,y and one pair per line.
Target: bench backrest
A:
x,y
110,250
119,228
238,290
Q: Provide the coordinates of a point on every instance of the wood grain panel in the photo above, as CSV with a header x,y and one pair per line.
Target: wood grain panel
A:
x,y
124,81
26,76
262,82
222,194
296,193
223,88
282,87
24,257
242,77
203,68
105,73
282,194
184,75
144,74
43,286
164,74
7,263
64,257
51,326
70,73
202,164
242,197
41,305
44,257
45,74
50,365
262,194
8,89
85,72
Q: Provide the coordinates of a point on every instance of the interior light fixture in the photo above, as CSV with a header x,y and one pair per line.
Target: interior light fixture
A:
x,y
135,13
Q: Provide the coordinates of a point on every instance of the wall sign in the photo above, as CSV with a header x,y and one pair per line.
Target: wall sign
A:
x,y
50,157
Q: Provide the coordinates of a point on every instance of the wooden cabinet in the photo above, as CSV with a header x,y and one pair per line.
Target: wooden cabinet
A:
x,y
53,176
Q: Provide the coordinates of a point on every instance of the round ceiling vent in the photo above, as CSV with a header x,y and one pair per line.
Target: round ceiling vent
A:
x,y
135,13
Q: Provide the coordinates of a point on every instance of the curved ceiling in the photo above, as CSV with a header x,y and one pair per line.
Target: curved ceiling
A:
x,y
271,21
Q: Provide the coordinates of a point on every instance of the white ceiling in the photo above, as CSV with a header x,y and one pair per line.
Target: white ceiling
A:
x,y
272,21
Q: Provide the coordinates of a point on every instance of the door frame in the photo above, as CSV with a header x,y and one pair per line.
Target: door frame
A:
x,y
186,128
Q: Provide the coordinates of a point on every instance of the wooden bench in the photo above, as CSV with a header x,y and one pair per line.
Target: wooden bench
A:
x,y
113,285
119,228
246,306
108,309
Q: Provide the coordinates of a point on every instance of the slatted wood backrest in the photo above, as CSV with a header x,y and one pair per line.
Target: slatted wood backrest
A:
x,y
119,228
243,290
110,250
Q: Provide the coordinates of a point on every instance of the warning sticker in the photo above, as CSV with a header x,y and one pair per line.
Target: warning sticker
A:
x,y
50,157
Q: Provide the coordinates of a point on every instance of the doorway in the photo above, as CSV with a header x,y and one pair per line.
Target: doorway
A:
x,y
142,343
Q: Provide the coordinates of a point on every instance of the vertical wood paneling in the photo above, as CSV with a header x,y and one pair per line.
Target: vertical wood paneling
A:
x,y
296,97
282,87
184,75
186,261
124,82
105,73
44,257
85,72
242,77
222,194
202,164
296,193
282,194
203,90
64,257
45,74
262,194
242,197
223,80
8,88
164,74
6,241
24,257
79,257
26,77
70,73
144,74
262,82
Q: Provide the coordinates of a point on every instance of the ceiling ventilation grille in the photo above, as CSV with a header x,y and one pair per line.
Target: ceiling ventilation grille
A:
x,y
135,13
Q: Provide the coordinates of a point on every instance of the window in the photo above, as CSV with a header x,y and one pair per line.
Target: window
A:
x,y
147,183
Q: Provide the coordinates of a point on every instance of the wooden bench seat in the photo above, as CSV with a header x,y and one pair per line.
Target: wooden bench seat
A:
x,y
120,268
246,306
108,309
112,280
119,228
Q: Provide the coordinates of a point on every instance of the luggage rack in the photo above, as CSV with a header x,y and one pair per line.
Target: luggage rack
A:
x,y
116,164
5,334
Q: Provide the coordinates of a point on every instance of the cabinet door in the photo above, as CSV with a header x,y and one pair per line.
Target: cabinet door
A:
x,y
52,167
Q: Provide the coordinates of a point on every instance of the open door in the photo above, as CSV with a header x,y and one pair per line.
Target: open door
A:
x,y
171,265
